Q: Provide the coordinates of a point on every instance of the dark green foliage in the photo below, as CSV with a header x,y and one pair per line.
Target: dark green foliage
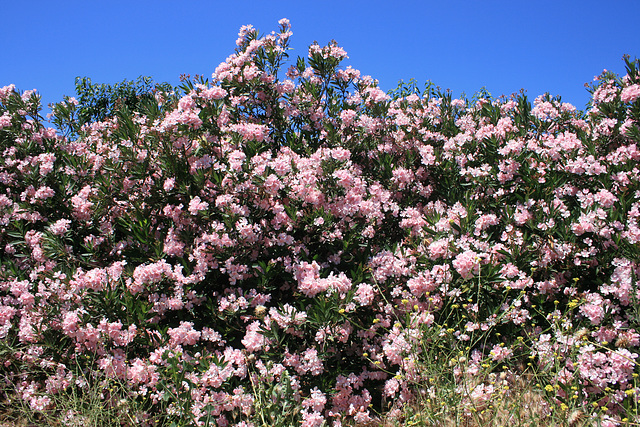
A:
x,y
98,101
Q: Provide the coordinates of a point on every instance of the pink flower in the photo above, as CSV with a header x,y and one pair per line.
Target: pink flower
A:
x,y
458,103
467,264
253,339
70,322
251,131
95,279
5,91
289,316
184,334
81,204
396,346
60,227
196,205
340,283
316,400
365,293
272,184
286,86
375,94
391,387
46,163
169,184
309,362
630,93
413,219
44,192
594,308
347,117
386,264
308,275
186,103
5,120
439,249
481,394
236,158
544,110
284,22
142,373
340,154
312,419
149,273
621,283
173,246
215,92
499,353
605,198
484,222
427,154
6,314
421,283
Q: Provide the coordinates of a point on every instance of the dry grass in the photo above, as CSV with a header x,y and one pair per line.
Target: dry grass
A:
x,y
516,403
511,400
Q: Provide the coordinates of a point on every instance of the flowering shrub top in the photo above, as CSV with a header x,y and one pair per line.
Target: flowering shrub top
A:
x,y
311,230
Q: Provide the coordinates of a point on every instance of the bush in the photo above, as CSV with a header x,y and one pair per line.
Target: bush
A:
x,y
312,241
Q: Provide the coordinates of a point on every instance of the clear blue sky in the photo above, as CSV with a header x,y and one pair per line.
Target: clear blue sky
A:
x,y
539,45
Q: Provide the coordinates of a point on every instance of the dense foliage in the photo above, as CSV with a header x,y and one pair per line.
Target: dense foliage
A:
x,y
269,248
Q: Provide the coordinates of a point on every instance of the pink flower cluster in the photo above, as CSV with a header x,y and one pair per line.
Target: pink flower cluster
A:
x,y
250,231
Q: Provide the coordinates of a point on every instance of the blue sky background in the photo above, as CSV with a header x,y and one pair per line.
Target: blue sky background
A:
x,y
539,45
